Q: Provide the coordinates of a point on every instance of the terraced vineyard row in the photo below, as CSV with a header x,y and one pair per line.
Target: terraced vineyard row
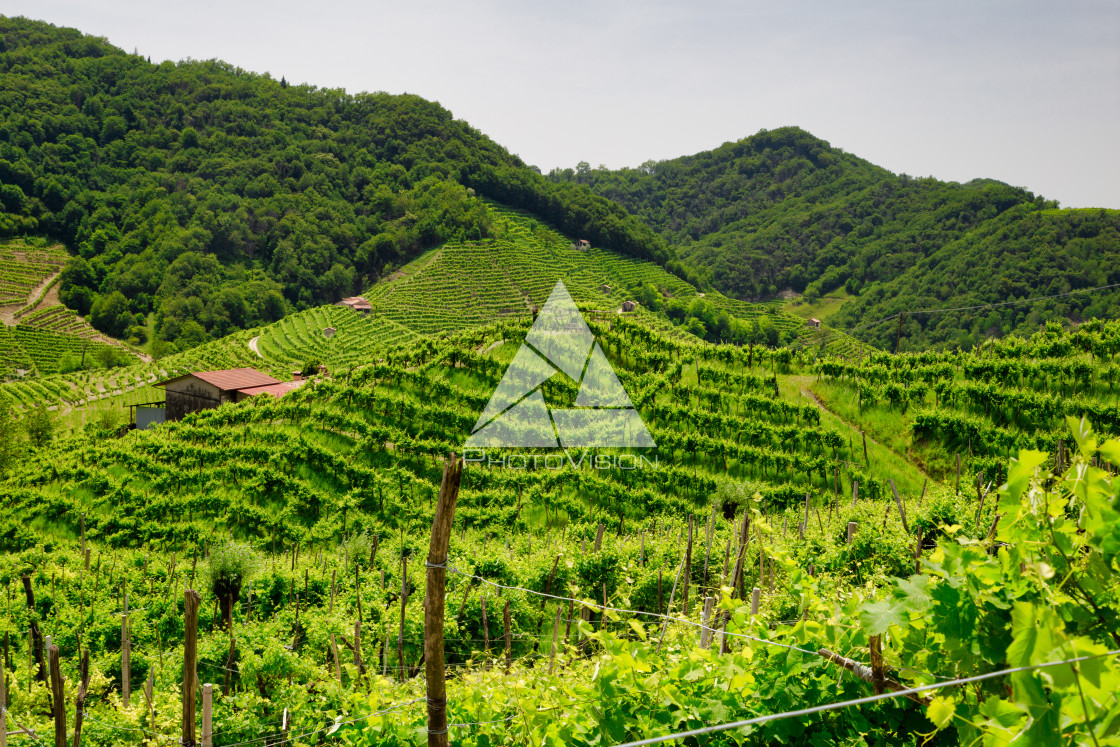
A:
x,y
24,266
988,404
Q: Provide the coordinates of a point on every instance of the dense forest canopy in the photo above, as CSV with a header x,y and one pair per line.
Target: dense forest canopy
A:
x,y
220,199
785,210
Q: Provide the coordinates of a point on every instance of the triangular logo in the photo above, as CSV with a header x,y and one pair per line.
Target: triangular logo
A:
x,y
559,341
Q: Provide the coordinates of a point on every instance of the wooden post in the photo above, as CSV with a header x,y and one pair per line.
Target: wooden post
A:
x,y
672,594
4,703
901,508
805,520
599,537
485,634
334,653
404,605
434,602
687,567
754,599
705,630
918,552
80,703
58,703
708,541
207,714
149,686
851,530
126,662
855,492
957,487
555,634
190,660
509,646
866,460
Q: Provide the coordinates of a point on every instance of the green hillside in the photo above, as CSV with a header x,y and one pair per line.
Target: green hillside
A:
x,y
320,503
221,199
783,209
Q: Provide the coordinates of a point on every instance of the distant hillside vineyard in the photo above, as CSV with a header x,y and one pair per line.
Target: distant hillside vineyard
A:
x,y
221,199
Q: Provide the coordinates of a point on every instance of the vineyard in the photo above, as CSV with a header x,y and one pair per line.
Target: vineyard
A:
x,y
985,406
767,564
25,266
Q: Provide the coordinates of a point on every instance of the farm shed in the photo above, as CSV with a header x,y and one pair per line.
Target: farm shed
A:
x,y
814,322
202,390
357,303
629,305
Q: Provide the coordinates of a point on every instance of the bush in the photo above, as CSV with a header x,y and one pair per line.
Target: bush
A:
x,y
231,564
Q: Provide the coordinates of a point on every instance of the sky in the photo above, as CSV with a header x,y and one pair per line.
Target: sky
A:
x,y
1025,92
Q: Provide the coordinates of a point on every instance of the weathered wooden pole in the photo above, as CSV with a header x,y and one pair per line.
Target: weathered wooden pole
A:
x,y
851,530
901,508
207,714
687,567
190,661
58,703
509,642
705,629
434,602
4,702
404,605
126,662
80,703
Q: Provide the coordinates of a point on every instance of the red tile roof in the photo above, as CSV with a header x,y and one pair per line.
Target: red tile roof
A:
x,y
230,380
276,390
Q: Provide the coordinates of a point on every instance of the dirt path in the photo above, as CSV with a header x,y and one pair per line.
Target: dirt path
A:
x,y
8,311
802,382
253,346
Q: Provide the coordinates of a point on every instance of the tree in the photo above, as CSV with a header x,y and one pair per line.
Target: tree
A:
x,y
111,314
40,427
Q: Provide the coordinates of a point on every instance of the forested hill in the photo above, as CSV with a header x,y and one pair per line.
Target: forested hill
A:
x,y
783,209
222,199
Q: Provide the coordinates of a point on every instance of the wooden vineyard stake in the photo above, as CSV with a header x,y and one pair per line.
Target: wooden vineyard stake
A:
x,y
705,630
918,552
852,526
672,594
922,497
878,677
555,634
687,568
599,537
207,714
660,594
149,686
80,702
708,541
434,668
337,666
334,581
855,492
901,507
485,636
4,701
190,660
866,460
58,702
358,645
36,636
505,626
754,599
126,662
805,520
957,487
404,605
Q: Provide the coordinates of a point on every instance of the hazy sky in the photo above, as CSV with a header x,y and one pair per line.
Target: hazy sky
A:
x,y
1024,92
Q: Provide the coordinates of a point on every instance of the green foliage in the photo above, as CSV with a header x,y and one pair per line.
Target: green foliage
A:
x,y
783,209
39,425
207,194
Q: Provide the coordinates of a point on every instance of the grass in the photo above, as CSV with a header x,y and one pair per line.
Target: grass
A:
x,y
823,308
